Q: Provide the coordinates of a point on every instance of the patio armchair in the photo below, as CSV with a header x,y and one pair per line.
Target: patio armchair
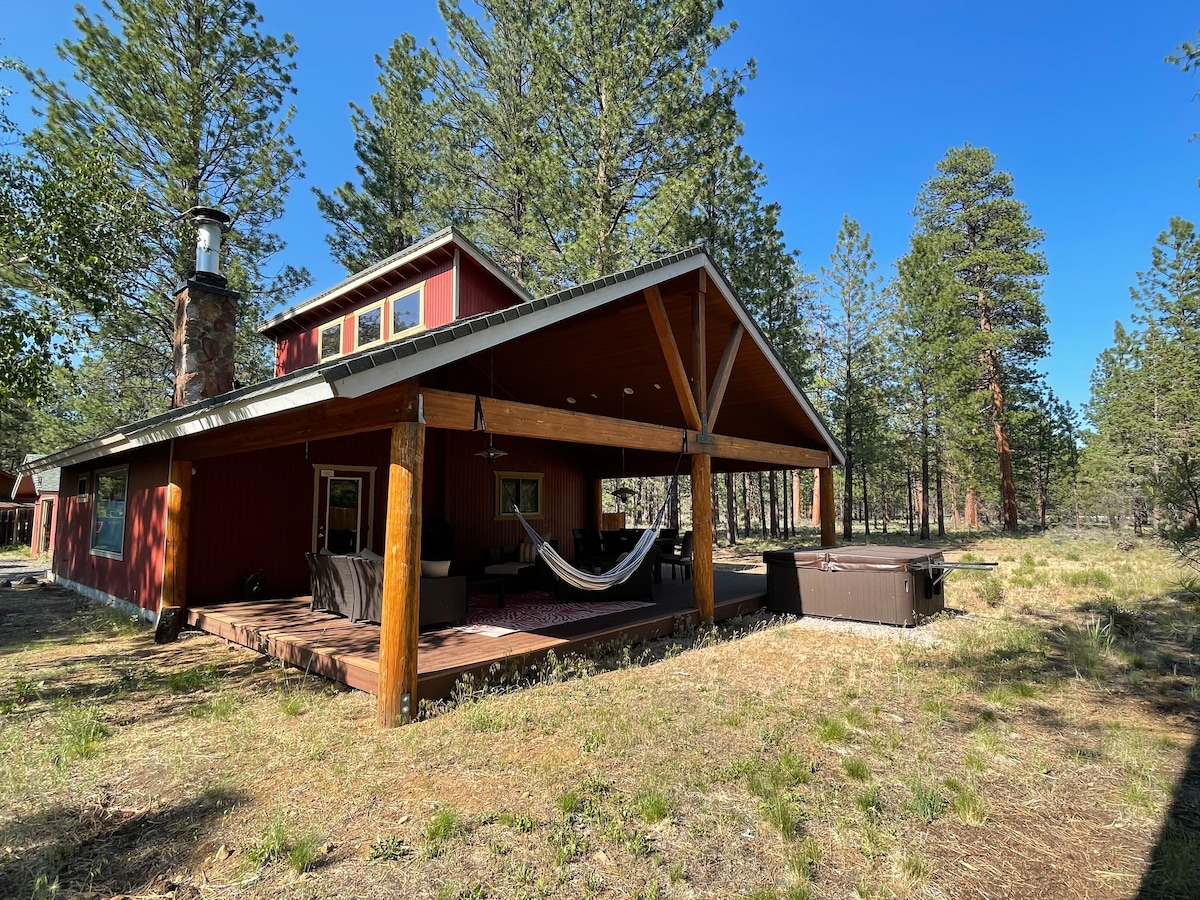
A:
x,y
682,559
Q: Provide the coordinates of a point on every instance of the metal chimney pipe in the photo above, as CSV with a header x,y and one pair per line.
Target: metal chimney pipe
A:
x,y
209,224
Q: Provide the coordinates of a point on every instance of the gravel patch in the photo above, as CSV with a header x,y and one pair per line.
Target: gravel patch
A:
x,y
927,634
15,568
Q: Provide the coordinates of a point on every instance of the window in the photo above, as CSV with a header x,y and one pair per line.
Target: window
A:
x,y
108,512
369,327
406,311
81,493
520,489
331,341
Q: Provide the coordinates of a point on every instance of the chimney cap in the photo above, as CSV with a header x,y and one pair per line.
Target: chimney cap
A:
x,y
202,214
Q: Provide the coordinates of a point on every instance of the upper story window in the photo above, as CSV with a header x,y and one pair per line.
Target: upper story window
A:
x,y
395,317
368,327
331,341
405,311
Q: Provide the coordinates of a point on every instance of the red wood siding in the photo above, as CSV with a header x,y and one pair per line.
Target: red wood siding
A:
x,y
137,577
35,547
439,298
470,499
299,349
253,512
479,291
295,351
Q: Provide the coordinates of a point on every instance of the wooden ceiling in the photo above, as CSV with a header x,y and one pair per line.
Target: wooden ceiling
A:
x,y
591,362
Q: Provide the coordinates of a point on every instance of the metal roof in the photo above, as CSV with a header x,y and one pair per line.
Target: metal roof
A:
x,y
321,381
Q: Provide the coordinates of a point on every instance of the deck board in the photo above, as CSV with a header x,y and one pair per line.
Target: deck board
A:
x,y
333,647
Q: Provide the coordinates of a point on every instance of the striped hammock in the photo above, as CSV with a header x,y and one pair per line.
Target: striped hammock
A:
x,y
586,581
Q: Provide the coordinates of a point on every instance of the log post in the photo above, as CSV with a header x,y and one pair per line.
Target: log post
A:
x,y
703,595
396,700
173,603
598,503
828,531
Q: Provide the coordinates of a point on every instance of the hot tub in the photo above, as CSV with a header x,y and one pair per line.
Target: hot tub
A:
x,y
890,585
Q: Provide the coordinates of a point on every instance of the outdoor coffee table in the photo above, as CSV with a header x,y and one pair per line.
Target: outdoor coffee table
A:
x,y
499,573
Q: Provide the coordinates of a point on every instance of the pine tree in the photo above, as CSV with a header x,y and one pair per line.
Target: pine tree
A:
x,y
570,139
1145,401
191,100
393,204
855,354
638,110
927,372
990,247
63,258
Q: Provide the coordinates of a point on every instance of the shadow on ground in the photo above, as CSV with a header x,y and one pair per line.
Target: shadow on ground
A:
x,y
102,849
1174,869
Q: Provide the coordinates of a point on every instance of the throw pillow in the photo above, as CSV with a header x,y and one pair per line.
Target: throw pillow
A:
x,y
371,555
528,553
435,568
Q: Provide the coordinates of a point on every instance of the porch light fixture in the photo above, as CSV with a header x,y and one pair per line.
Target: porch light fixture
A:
x,y
624,494
490,452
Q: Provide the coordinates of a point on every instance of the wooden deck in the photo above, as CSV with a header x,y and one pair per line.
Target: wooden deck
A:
x,y
334,647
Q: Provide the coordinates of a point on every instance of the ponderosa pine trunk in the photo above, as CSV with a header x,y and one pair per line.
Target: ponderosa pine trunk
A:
x,y
991,366
730,510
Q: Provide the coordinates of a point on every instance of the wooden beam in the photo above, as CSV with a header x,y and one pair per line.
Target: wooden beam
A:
x,y
700,352
396,700
670,349
828,531
446,409
333,418
724,369
703,592
175,563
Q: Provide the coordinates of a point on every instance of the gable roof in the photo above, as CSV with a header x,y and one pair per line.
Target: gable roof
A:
x,y
373,369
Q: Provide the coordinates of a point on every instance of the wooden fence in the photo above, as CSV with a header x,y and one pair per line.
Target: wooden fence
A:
x,y
16,526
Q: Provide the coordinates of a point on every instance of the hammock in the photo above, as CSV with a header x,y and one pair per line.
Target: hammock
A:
x,y
586,581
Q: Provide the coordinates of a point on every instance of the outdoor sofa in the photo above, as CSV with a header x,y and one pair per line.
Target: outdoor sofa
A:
x,y
352,586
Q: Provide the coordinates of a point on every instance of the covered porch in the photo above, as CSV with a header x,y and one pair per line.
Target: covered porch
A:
x,y
333,647
589,384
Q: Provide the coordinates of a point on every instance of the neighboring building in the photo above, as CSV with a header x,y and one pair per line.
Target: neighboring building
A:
x,y
17,496
374,416
43,486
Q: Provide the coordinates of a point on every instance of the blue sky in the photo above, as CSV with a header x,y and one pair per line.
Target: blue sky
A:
x,y
853,106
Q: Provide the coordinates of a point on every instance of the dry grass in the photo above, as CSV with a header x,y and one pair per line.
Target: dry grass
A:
x,y
1032,750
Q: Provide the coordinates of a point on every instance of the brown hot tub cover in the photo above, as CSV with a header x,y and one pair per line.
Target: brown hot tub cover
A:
x,y
891,585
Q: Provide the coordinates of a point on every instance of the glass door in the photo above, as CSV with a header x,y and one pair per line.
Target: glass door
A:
x,y
340,514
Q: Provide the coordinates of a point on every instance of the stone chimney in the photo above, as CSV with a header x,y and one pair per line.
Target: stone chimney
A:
x,y
205,317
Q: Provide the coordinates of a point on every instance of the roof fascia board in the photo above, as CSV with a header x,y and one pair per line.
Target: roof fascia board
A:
x,y
395,371
293,395
356,280
306,393
465,243
760,339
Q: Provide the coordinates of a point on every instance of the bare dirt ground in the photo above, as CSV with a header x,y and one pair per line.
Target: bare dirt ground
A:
x,y
1040,741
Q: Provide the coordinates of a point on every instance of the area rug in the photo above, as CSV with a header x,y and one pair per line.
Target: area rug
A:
x,y
492,622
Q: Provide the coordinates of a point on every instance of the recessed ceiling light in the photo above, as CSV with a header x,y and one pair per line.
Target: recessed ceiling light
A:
x,y
570,399
594,397
628,390
657,386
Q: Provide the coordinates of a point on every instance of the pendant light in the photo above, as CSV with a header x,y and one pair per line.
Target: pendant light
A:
x,y
491,453
624,494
